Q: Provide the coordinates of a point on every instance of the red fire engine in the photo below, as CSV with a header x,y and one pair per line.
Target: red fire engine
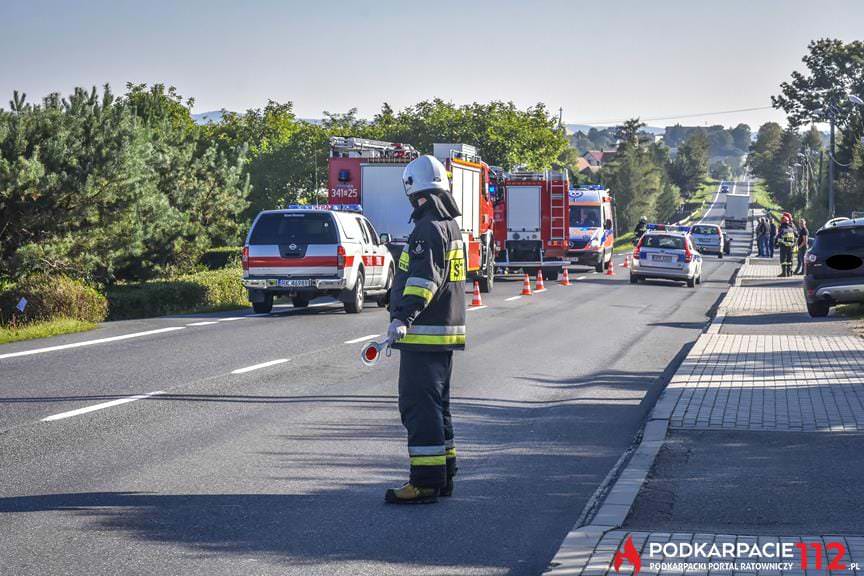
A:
x,y
369,173
531,224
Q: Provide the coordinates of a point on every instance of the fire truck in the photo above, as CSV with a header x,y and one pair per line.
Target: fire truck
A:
x,y
531,222
369,173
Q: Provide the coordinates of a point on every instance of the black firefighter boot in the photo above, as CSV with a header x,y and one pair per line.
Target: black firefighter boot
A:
x,y
410,494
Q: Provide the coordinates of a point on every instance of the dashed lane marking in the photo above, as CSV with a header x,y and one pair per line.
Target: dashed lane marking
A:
x,y
512,298
89,342
206,323
259,366
362,339
476,307
101,406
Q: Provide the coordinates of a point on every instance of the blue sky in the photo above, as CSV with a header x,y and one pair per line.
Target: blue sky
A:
x,y
600,61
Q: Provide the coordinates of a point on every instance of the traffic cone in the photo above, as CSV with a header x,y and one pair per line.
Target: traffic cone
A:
x,y
538,286
476,301
610,271
626,261
565,280
526,287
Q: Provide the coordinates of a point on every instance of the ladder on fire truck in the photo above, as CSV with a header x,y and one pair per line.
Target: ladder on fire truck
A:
x,y
342,147
558,187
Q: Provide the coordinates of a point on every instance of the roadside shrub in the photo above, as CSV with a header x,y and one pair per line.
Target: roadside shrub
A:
x,y
201,292
224,257
53,297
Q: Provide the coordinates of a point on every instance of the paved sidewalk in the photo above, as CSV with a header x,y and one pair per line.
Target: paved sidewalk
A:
x,y
745,300
794,383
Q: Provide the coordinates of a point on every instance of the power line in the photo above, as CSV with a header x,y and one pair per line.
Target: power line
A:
x,y
679,117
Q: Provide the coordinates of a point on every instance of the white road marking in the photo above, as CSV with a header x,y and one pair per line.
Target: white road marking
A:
x,y
96,407
512,298
231,319
362,339
581,277
259,366
89,342
476,307
207,323
540,290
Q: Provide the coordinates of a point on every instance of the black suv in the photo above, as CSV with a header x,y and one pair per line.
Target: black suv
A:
x,y
835,266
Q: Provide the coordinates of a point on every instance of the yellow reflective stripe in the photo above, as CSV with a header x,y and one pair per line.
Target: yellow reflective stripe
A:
x,y
451,453
403,261
432,340
429,460
423,293
457,254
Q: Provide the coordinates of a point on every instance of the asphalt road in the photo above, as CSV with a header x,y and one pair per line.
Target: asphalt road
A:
x,y
282,469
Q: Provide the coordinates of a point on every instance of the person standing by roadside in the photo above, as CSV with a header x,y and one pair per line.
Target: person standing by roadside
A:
x,y
772,236
762,237
786,239
803,237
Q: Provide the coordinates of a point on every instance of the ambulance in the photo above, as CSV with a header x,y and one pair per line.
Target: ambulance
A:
x,y
592,227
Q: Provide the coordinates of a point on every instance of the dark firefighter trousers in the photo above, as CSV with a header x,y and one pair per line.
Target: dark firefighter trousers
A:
x,y
786,258
424,405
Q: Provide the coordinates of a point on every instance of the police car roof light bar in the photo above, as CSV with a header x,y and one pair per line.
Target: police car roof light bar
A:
x,y
335,207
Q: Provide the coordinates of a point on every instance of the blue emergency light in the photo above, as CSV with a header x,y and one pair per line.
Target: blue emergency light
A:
x,y
336,207
668,228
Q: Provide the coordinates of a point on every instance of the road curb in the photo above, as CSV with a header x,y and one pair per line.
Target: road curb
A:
x,y
578,546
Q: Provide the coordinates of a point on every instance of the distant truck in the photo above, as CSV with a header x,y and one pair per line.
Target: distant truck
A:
x,y
369,173
737,210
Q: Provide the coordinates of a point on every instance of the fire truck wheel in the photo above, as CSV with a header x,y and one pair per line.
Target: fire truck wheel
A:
x,y
551,275
354,303
487,281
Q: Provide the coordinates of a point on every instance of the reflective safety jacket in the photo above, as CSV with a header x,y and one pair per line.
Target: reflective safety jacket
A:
x,y
428,293
787,235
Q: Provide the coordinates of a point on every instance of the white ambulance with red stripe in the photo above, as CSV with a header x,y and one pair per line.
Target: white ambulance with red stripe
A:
x,y
303,252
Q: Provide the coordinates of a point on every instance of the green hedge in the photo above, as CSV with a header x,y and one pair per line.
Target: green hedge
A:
x,y
201,292
51,298
218,258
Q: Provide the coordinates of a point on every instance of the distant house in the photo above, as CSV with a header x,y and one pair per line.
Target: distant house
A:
x,y
583,167
597,158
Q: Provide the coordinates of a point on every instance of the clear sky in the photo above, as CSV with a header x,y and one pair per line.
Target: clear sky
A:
x,y
601,61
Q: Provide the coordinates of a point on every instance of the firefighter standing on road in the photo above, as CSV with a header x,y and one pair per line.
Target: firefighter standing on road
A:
x,y
786,237
427,313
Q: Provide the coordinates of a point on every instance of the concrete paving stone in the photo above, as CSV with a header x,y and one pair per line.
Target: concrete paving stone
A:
x,y
770,382
748,300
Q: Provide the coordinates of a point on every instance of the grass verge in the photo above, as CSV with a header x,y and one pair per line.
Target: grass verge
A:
x,y
43,329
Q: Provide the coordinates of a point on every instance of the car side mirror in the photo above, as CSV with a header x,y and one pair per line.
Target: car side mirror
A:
x,y
384,237
608,224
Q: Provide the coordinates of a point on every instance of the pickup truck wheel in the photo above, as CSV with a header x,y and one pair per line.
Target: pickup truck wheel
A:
x,y
818,309
551,275
691,282
634,279
263,307
300,302
382,301
355,304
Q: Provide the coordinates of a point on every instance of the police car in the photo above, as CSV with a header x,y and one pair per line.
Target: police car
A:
x,y
303,252
709,239
666,252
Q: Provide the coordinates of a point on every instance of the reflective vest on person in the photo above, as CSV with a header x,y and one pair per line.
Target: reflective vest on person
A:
x,y
428,294
786,236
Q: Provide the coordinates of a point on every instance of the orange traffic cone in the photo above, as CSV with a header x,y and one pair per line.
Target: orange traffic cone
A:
x,y
538,286
526,286
565,280
610,271
626,261
476,300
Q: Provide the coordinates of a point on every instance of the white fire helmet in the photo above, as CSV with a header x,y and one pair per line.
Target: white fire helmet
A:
x,y
425,174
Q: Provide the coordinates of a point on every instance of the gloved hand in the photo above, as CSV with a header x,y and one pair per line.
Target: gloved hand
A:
x,y
397,330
